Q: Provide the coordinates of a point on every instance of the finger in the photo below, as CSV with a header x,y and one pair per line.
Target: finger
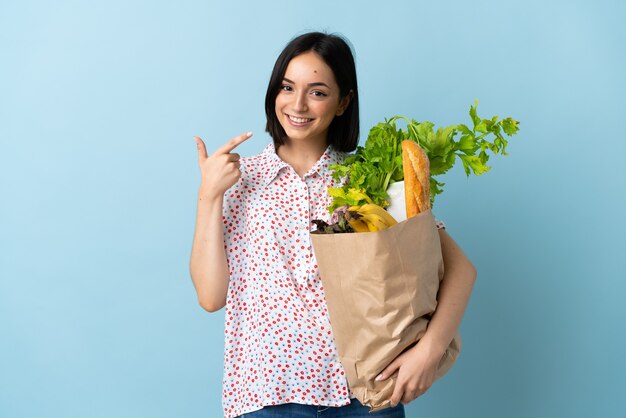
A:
x,y
233,143
409,397
388,371
398,394
233,157
201,147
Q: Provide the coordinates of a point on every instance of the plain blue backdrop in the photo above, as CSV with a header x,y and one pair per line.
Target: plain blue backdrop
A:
x,y
99,103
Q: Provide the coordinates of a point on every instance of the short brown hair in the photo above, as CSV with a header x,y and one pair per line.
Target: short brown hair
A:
x,y
343,132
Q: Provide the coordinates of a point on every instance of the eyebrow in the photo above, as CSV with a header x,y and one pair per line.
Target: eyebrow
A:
x,y
319,83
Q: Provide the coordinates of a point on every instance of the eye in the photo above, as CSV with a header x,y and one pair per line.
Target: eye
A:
x,y
319,93
285,87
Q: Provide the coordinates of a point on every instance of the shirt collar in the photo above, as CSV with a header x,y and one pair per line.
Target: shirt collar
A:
x,y
273,164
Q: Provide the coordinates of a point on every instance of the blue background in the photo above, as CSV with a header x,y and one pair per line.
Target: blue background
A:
x,y
99,103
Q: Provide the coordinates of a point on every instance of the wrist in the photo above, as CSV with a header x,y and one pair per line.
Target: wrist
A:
x,y
209,196
434,346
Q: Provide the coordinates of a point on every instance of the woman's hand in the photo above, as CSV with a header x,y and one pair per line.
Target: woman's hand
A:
x,y
416,368
220,170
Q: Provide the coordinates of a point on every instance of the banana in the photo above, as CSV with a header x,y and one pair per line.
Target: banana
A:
x,y
359,226
375,209
370,218
374,222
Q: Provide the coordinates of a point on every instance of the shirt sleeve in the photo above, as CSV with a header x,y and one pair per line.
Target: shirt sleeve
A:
x,y
440,224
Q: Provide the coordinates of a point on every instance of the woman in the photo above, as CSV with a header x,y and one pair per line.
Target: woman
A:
x,y
251,249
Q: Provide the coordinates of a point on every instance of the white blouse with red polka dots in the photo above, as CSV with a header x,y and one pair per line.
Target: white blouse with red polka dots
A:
x,y
278,345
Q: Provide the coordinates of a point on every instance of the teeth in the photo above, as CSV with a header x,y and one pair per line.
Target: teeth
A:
x,y
299,120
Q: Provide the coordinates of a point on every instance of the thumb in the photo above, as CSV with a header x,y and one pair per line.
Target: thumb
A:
x,y
389,370
201,148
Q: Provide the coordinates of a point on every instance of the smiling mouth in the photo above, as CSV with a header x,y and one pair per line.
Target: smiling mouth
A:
x,y
298,120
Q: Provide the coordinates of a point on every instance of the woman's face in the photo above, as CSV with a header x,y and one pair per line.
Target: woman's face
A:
x,y
309,99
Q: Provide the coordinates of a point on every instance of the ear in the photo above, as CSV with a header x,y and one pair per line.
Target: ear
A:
x,y
343,104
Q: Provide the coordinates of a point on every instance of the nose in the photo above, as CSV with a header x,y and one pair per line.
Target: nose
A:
x,y
300,104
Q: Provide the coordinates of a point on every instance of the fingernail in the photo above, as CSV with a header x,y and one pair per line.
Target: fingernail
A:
x,y
379,377
249,133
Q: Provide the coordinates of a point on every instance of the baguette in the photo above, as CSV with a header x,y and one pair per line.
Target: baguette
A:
x,y
416,167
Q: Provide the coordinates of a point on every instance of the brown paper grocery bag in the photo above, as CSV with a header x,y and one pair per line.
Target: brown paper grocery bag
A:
x,y
381,290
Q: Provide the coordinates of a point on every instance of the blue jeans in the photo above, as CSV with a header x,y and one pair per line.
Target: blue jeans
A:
x,y
294,410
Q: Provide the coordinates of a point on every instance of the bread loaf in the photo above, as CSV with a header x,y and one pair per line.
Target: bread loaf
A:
x,y
416,178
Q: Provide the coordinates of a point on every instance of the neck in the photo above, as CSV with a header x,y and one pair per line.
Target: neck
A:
x,y
301,156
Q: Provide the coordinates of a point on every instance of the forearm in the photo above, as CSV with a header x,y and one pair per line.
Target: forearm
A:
x,y
454,293
208,266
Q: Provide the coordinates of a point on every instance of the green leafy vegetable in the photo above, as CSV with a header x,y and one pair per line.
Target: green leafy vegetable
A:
x,y
374,167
